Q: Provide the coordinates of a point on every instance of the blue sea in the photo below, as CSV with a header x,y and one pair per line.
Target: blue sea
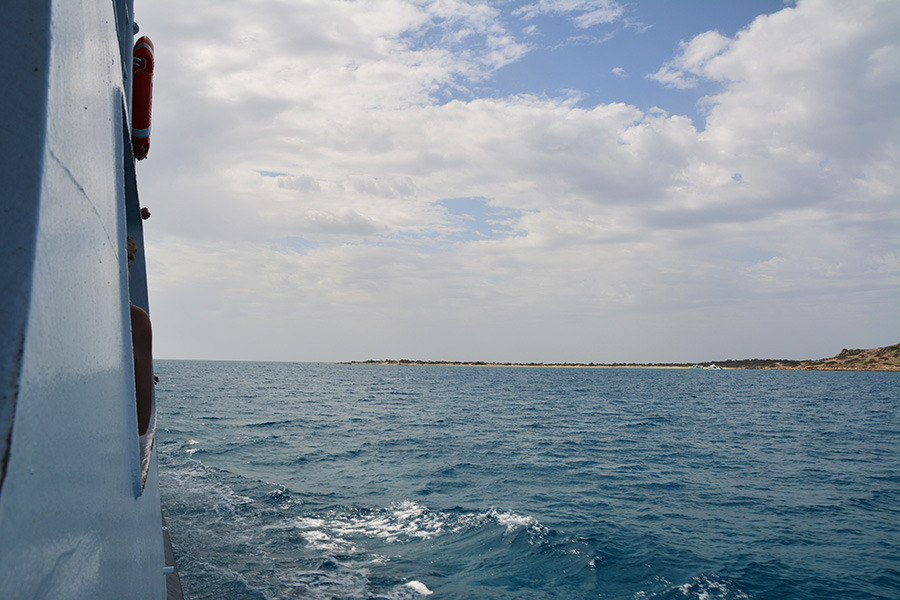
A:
x,y
351,482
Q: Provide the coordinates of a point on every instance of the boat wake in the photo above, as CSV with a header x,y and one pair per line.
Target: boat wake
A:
x,y
258,540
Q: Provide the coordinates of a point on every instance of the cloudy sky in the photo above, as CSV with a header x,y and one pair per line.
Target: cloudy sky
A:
x,y
534,181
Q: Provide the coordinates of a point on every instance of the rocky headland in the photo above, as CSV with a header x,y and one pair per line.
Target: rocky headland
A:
x,y
873,359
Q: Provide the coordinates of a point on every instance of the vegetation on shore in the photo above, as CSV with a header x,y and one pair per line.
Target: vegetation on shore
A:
x,y
874,359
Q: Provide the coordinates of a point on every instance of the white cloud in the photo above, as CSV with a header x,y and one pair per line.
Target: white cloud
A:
x,y
674,78
328,123
692,60
584,13
302,183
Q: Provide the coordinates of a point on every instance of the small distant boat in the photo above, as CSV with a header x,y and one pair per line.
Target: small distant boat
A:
x,y
713,367
696,367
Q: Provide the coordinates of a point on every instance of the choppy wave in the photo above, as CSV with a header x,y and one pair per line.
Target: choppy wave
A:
x,y
355,483
700,587
308,549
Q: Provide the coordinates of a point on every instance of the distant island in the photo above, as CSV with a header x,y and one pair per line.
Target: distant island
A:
x,y
873,359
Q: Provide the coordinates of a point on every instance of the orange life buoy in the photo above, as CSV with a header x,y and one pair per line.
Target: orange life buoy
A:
x,y
141,96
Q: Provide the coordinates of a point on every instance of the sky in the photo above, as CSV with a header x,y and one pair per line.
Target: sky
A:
x,y
530,181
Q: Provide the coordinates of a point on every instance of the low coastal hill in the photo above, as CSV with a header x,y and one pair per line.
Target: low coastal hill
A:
x,y
873,359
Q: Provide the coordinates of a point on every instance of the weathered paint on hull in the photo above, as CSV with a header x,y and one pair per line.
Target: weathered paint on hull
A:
x,y
74,521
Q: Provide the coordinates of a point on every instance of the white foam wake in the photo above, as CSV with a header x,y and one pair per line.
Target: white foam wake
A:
x,y
419,587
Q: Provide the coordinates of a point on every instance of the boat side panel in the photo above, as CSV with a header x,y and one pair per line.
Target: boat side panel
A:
x,y
71,522
23,103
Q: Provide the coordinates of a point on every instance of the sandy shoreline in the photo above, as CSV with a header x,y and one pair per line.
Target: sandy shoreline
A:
x,y
413,363
874,359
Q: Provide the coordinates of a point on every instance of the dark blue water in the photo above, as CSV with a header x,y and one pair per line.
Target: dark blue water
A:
x,y
361,482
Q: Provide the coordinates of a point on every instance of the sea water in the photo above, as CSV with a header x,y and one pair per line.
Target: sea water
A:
x,y
328,481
